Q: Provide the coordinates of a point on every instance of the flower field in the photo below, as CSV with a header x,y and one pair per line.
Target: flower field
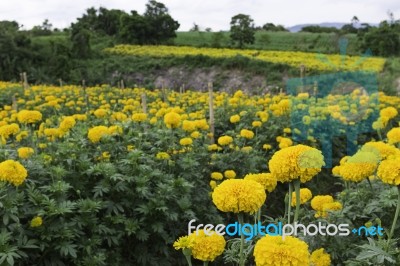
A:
x,y
111,176
312,61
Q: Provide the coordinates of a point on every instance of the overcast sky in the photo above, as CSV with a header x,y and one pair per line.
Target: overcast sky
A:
x,y
215,14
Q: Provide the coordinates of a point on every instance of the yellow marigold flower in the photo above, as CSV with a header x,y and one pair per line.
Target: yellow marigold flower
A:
x,y
256,123
247,149
285,142
36,221
80,117
186,141
130,148
229,174
105,155
189,126
303,95
276,251
13,172
115,130
25,152
332,206
207,247
379,124
306,120
394,135
67,123
139,117
225,140
22,135
172,120
305,195
382,149
202,124
162,156
320,258
295,162
96,133
195,134
153,120
389,112
216,175
213,184
119,116
267,180
239,195
248,134
52,133
184,242
360,166
263,116
267,147
234,119
336,171
389,171
287,130
318,202
238,94
212,147
29,117
99,113
7,130
42,145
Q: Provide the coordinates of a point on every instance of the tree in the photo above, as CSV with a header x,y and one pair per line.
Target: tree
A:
x,y
242,30
134,29
80,38
161,25
42,30
273,27
195,28
383,40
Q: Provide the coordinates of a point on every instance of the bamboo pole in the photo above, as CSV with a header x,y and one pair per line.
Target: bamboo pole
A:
x,y
211,106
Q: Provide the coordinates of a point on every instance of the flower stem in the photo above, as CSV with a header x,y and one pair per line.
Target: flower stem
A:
x,y
396,216
296,185
289,202
242,257
189,260
205,263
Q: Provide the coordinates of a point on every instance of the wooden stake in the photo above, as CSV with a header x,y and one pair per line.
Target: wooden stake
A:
x,y
25,78
315,90
14,103
211,106
122,84
144,103
164,91
61,82
302,70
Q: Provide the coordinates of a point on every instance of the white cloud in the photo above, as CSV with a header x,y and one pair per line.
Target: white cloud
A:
x,y
207,13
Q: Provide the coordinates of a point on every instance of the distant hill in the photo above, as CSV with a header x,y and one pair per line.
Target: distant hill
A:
x,y
337,25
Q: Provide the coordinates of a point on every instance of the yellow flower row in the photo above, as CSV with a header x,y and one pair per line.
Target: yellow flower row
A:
x,y
296,59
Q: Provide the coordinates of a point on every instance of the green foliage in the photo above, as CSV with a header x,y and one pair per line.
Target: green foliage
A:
x,y
242,30
383,40
162,26
319,29
273,27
